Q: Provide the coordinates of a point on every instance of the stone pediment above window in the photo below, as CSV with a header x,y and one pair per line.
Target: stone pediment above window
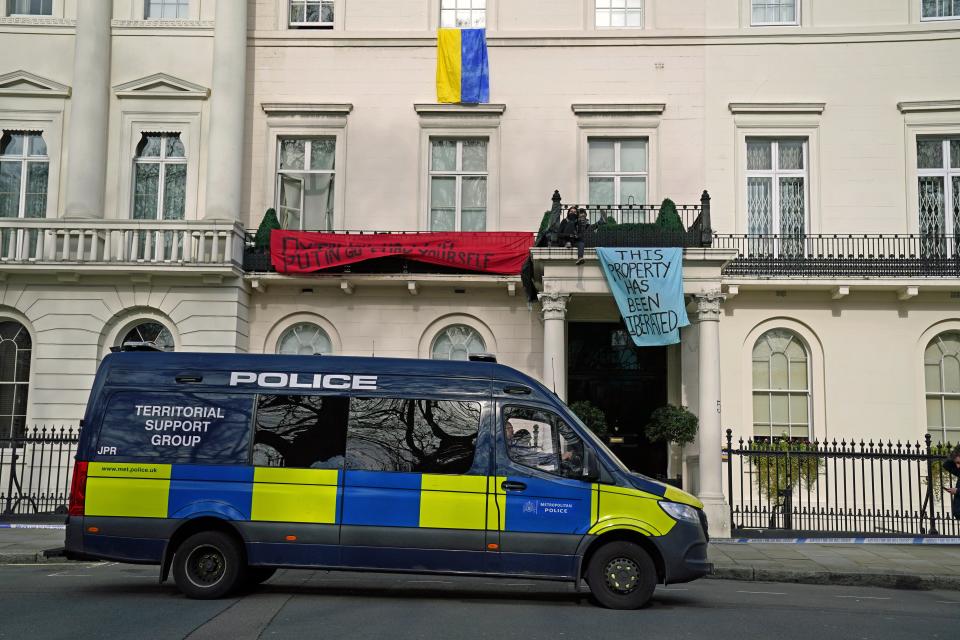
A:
x,y
161,85
24,84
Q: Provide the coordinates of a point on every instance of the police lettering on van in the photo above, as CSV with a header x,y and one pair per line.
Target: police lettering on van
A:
x,y
335,381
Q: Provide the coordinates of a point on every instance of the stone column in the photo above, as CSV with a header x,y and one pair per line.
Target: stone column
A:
x,y
711,440
554,309
89,111
227,111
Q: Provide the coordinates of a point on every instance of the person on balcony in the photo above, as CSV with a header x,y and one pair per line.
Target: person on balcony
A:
x,y
952,466
573,230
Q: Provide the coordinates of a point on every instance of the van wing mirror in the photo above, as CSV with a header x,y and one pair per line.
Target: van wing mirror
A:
x,y
591,465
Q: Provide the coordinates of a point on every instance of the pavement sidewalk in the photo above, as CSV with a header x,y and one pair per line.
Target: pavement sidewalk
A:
x,y
901,566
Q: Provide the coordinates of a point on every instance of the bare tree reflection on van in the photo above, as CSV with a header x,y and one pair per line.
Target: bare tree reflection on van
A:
x,y
385,434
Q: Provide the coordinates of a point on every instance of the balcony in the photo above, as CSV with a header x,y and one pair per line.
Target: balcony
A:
x,y
47,244
841,255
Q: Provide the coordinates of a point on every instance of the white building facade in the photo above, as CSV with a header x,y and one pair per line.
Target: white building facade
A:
x,y
143,139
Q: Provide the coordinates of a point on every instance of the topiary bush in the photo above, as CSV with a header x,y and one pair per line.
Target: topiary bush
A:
x,y
671,423
592,416
668,219
261,241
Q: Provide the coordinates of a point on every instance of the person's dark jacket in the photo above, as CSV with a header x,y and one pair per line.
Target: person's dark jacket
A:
x,y
571,227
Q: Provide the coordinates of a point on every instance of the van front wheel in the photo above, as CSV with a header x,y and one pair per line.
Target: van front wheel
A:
x,y
621,575
208,565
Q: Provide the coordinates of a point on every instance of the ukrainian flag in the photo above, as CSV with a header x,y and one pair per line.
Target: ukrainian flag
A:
x,y
463,74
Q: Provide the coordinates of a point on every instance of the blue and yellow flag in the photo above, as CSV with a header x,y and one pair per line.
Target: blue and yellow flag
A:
x,y
463,74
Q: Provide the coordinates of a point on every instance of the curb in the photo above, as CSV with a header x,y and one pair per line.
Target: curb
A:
x,y
885,580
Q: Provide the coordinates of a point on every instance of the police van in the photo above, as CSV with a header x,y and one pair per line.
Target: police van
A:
x,y
225,467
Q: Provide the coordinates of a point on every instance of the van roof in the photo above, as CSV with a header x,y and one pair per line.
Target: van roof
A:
x,y
288,363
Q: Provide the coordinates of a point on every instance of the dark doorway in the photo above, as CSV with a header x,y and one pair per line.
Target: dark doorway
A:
x,y
626,382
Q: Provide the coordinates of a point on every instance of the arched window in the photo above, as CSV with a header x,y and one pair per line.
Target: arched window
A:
x,y
304,339
941,365
15,347
781,386
457,342
152,333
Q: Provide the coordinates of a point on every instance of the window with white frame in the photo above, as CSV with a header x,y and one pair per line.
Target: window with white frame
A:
x,y
29,7
463,14
24,170
149,332
939,9
941,366
304,339
457,342
159,177
773,12
619,13
458,184
781,386
311,13
777,194
15,349
166,9
305,183
938,190
617,171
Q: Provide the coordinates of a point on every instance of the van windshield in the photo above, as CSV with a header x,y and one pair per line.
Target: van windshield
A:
x,y
597,442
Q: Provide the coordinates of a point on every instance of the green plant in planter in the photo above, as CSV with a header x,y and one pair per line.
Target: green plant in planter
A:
x,y
592,416
781,470
671,423
668,219
261,241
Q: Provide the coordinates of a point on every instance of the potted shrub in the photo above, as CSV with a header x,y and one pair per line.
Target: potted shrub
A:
x,y
672,424
592,416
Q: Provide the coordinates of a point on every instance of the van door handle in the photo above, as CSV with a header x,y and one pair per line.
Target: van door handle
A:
x,y
509,485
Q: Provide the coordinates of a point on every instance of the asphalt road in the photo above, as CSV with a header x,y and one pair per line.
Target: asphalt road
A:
x,y
121,601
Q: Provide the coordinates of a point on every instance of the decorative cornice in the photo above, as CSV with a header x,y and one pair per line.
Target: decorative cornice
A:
x,y
24,84
39,21
636,109
162,24
160,85
553,306
810,108
315,109
921,106
460,110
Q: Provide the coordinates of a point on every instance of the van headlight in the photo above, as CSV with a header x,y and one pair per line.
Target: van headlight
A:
x,y
679,511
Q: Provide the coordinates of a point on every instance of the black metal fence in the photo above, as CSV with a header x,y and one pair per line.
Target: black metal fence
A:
x,y
841,255
794,488
35,471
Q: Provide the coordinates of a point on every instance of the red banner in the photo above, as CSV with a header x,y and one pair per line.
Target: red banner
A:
x,y
307,251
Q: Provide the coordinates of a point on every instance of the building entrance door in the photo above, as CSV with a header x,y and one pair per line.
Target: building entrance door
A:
x,y
626,382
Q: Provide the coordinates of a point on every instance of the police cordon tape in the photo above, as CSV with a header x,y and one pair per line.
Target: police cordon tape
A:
x,y
29,525
863,540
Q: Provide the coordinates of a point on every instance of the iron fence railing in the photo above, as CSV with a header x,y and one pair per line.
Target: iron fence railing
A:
x,y
784,487
35,471
841,255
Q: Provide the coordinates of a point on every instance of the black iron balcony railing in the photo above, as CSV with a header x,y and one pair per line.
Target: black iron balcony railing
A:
x,y
633,225
841,255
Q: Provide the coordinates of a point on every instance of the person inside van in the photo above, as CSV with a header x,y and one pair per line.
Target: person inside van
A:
x,y
521,449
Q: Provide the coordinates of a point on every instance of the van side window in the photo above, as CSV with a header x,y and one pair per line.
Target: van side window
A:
x,y
541,440
423,436
307,432
175,427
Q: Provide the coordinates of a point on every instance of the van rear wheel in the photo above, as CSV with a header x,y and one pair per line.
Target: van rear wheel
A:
x,y
208,565
621,575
